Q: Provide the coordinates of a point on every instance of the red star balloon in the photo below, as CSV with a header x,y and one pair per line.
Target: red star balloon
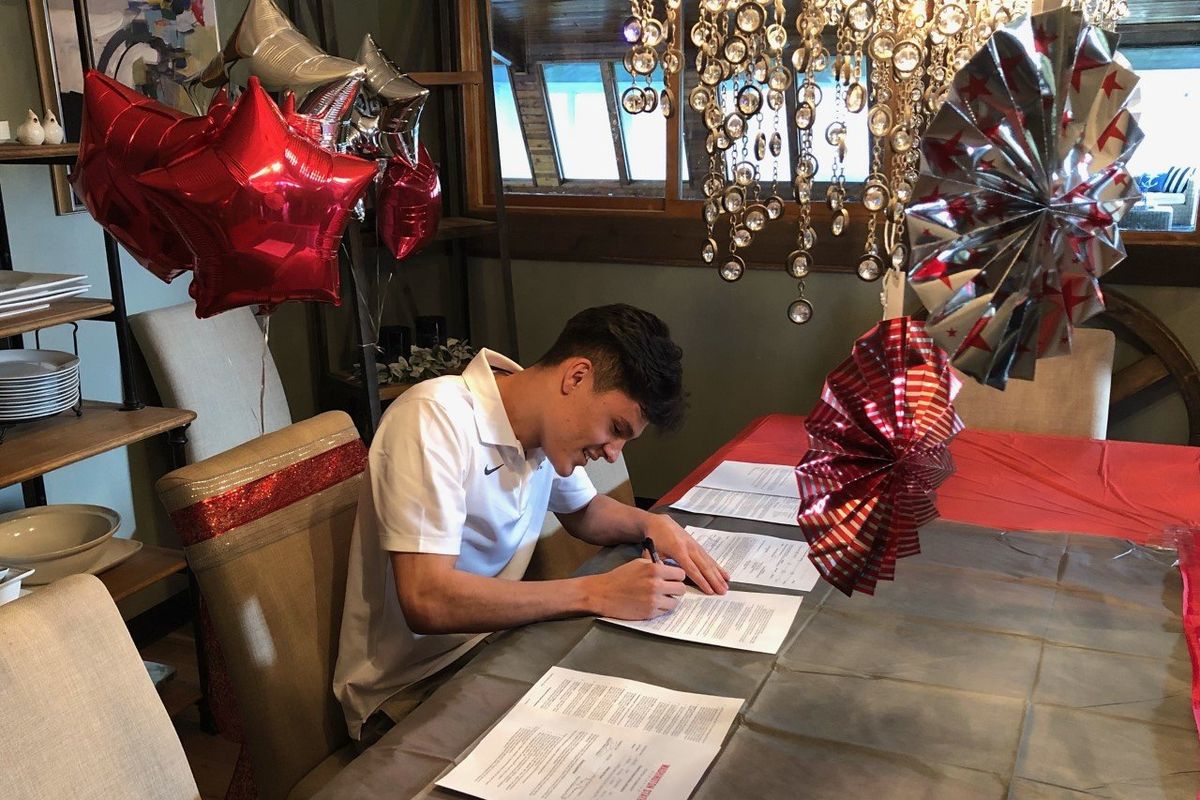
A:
x,y
126,133
878,447
1024,178
261,208
409,204
219,107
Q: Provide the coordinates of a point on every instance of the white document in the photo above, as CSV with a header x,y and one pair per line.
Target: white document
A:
x,y
761,560
580,736
742,505
742,476
740,620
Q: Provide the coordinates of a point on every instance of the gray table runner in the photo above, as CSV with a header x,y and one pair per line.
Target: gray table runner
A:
x,y
1029,667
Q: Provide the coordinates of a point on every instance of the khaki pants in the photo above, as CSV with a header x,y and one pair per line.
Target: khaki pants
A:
x,y
405,701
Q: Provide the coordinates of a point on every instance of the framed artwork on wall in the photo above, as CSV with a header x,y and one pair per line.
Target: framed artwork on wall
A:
x,y
154,46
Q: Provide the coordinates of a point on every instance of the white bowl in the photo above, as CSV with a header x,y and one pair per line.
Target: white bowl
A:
x,y
44,533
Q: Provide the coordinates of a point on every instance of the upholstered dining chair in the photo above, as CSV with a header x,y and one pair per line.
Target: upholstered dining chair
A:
x,y
81,718
558,554
269,524
214,367
1068,396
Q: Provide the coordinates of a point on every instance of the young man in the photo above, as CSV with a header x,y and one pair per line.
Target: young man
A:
x,y
461,474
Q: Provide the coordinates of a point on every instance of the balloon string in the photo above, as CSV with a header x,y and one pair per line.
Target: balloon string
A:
x,y
262,384
377,321
358,290
188,89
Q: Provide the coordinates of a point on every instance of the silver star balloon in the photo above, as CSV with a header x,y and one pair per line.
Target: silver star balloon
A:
x,y
1024,178
277,54
399,100
328,107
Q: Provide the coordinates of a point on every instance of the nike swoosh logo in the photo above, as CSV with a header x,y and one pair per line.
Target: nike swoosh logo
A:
x,y
487,471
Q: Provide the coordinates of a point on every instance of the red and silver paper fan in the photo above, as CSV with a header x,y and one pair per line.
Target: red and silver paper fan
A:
x,y
1023,181
878,447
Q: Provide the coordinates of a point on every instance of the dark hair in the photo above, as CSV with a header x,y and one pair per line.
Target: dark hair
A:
x,y
630,350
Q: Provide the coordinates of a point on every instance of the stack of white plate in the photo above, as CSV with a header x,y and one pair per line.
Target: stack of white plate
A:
x,y
25,292
37,383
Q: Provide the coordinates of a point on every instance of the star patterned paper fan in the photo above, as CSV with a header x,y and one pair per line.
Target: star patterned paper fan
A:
x,y
1024,178
878,448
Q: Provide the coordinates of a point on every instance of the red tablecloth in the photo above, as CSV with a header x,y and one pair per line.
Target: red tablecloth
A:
x,y
1016,481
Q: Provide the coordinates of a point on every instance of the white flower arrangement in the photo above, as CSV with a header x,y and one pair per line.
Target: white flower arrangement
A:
x,y
428,362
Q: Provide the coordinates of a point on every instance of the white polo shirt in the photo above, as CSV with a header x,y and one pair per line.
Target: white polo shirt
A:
x,y
446,475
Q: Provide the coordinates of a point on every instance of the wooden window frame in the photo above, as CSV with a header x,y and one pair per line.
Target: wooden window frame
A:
x,y
669,231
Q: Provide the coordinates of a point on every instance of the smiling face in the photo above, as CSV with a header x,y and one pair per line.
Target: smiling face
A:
x,y
585,425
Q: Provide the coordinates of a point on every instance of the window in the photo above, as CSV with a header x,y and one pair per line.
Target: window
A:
x,y
567,142
514,157
1165,165
579,117
643,135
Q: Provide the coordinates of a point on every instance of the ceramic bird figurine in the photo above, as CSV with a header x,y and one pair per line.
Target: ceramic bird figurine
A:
x,y
30,131
54,131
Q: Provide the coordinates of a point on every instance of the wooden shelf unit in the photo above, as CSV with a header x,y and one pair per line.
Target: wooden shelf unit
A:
x,y
32,449
144,568
12,153
29,450
60,312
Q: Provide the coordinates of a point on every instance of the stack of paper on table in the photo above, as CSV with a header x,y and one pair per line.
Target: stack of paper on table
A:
x,y
579,735
741,620
25,292
760,560
765,492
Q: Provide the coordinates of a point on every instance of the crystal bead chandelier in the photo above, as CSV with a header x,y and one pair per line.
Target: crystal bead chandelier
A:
x,y
892,60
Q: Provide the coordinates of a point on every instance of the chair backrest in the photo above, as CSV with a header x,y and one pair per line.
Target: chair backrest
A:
x,y
1068,396
81,717
214,367
270,524
558,554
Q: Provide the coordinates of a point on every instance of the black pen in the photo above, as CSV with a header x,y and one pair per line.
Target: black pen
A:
x,y
648,544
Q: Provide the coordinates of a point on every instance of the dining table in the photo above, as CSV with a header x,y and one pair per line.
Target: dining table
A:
x,y
1041,646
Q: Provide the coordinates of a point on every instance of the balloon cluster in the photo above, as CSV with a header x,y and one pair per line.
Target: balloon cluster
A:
x,y
252,196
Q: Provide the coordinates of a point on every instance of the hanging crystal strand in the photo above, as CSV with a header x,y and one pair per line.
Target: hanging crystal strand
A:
x,y
708,35
908,60
808,59
800,310
645,35
763,79
672,60
780,79
876,193
744,53
744,174
835,132
632,99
